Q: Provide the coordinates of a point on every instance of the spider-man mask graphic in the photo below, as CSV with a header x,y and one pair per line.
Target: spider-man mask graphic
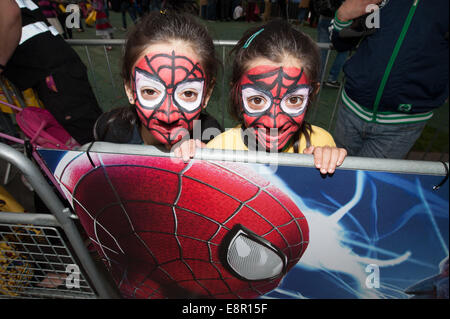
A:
x,y
170,229
274,101
168,90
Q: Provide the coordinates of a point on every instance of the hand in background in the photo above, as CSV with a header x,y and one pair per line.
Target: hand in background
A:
x,y
352,9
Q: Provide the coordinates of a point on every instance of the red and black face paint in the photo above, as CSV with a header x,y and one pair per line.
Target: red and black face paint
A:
x,y
274,101
168,90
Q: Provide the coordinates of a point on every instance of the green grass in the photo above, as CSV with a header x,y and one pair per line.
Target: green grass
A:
x,y
110,93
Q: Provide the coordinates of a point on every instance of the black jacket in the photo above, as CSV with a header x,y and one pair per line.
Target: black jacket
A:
x,y
412,59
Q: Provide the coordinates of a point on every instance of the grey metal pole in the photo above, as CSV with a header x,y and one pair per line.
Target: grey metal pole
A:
x,y
33,175
336,104
109,67
287,159
322,77
91,68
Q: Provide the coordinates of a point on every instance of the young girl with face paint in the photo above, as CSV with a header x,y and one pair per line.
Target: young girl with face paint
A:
x,y
275,77
169,69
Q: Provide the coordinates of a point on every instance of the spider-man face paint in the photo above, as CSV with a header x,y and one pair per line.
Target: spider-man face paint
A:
x,y
168,92
274,101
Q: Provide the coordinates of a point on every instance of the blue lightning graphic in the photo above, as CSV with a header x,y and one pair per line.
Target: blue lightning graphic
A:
x,y
340,251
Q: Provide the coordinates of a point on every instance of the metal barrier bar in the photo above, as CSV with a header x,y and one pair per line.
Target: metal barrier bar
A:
x,y
29,218
286,159
62,215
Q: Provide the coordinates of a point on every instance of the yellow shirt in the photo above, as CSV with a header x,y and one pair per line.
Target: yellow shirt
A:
x,y
232,140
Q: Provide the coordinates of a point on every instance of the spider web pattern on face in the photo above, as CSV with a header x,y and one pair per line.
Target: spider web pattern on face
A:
x,y
204,274
151,68
280,85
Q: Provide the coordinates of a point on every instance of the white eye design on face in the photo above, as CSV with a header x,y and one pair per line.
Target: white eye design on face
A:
x,y
295,102
150,92
189,95
255,101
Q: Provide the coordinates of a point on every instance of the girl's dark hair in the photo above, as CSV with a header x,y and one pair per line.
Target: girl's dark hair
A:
x,y
277,40
160,27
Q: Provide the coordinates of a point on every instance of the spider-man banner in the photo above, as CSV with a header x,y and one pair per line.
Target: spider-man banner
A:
x,y
218,229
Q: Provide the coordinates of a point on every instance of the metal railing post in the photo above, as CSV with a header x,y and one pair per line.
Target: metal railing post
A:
x,y
34,177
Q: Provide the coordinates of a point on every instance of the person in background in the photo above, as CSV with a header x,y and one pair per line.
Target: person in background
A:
x,y
225,10
282,8
397,76
34,55
103,27
314,16
267,10
203,9
212,10
303,11
50,12
127,6
155,5
327,9
250,11
238,14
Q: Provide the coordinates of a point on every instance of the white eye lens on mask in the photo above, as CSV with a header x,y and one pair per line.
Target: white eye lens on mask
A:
x,y
195,87
251,257
249,94
299,108
145,82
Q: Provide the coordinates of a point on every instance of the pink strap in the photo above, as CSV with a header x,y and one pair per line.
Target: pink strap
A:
x,y
11,106
36,135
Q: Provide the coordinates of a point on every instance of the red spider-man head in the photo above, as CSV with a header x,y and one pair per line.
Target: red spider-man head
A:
x,y
168,91
169,229
274,101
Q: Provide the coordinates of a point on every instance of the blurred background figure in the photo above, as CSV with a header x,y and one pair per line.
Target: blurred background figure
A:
x,y
49,10
326,10
282,8
212,10
127,6
267,10
225,10
155,5
203,9
238,13
34,55
250,15
303,11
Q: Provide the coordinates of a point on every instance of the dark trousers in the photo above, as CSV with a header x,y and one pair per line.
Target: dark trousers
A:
x,y
225,9
282,7
124,8
212,9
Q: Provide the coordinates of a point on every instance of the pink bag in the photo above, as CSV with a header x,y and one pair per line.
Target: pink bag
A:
x,y
42,128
